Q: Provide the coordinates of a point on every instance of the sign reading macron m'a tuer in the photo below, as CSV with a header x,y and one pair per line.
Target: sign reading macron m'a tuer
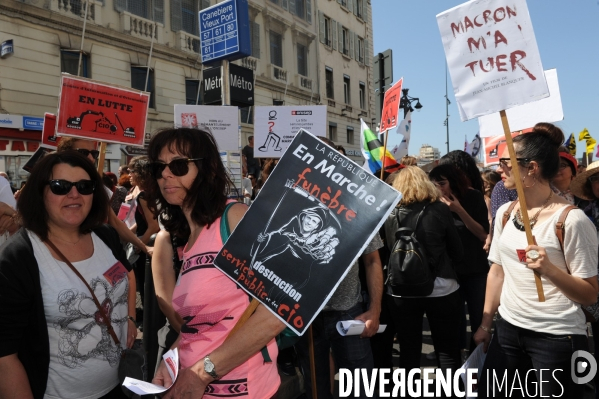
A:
x,y
492,56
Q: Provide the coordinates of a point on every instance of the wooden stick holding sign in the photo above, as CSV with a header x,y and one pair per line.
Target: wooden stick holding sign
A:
x,y
101,158
520,189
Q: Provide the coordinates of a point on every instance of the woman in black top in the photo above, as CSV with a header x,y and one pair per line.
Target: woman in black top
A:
x,y
470,217
436,232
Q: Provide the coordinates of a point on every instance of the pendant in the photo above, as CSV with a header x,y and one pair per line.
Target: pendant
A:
x,y
518,225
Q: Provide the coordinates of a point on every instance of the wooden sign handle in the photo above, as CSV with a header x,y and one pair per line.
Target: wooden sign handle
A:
x,y
101,158
520,190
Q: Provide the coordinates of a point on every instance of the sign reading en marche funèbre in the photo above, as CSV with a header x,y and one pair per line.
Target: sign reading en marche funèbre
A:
x,y
225,31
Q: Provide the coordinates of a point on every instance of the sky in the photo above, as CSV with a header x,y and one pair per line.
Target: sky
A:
x,y
567,35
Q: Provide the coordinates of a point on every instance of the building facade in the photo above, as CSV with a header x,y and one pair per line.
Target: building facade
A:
x,y
428,154
303,52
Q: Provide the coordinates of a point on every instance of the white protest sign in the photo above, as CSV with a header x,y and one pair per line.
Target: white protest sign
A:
x,y
223,122
492,56
276,126
546,110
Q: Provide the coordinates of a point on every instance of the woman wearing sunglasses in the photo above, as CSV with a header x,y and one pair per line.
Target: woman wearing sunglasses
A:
x,y
54,340
535,335
190,192
88,149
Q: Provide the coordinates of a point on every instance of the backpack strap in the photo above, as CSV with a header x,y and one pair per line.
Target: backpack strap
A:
x,y
225,230
415,226
507,213
560,229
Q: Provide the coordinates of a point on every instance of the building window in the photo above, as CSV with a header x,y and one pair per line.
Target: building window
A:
x,y
277,2
346,89
191,92
360,50
189,17
138,81
343,3
247,115
345,39
302,60
300,8
69,62
362,95
276,49
148,9
332,133
329,83
327,31
350,135
360,8
278,102
255,39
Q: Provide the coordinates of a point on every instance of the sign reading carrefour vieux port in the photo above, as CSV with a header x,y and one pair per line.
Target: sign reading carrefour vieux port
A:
x,y
225,31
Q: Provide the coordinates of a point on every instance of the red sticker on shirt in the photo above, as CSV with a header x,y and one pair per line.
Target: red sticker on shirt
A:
x,y
521,255
116,273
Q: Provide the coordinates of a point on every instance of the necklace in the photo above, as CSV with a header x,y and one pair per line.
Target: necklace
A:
x,y
70,242
519,223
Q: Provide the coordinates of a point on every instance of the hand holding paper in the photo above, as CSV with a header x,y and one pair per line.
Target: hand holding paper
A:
x,y
355,327
171,360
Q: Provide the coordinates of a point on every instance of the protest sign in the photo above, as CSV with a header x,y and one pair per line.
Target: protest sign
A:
x,y
312,219
98,111
276,126
492,56
524,116
391,106
49,139
496,145
223,122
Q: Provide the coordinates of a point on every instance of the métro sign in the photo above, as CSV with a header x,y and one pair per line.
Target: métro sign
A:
x,y
225,31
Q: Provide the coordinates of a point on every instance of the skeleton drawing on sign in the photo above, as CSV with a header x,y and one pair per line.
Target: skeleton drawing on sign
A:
x,y
308,238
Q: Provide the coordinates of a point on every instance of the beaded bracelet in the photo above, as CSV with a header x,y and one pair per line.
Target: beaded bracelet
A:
x,y
485,329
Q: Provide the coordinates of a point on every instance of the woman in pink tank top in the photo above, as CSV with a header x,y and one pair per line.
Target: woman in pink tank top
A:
x,y
190,193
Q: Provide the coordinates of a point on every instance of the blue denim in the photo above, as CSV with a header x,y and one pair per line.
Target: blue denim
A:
x,y
349,352
521,350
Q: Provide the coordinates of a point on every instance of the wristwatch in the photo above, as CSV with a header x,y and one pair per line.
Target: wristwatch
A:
x,y
209,367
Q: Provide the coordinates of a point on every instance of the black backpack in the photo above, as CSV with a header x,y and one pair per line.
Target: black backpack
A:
x,y
409,270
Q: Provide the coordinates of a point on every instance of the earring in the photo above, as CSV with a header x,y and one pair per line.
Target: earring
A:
x,y
534,181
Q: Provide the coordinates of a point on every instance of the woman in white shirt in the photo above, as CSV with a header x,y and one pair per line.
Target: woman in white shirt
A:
x,y
533,335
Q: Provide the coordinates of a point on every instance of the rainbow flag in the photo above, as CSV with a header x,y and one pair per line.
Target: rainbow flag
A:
x,y
372,150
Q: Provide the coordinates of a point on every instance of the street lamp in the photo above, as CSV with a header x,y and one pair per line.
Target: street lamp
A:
x,y
406,102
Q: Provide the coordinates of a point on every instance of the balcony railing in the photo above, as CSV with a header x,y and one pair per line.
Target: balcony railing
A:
x,y
277,73
303,82
188,42
141,27
332,103
249,63
77,8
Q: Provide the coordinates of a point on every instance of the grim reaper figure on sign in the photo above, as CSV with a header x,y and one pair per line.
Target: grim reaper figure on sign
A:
x,y
307,239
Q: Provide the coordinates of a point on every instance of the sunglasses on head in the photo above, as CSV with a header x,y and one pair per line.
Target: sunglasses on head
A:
x,y
63,187
85,152
178,167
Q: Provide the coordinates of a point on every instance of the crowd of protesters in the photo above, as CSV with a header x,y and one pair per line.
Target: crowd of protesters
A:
x,y
55,341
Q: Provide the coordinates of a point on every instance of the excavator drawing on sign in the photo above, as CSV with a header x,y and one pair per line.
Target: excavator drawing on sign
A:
x,y
102,124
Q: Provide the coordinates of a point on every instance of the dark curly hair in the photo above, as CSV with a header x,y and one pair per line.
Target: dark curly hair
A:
x,y
141,167
207,196
541,145
31,200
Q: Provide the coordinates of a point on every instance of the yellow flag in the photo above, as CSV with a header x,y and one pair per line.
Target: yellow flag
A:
x,y
584,135
591,145
571,145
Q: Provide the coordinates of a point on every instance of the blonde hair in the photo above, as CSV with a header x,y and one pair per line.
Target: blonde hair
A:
x,y
408,160
415,186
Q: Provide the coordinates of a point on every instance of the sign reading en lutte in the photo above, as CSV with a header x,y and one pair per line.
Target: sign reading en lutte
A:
x,y
98,111
314,216
492,56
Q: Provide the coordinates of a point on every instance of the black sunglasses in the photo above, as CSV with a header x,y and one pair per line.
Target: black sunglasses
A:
x,y
504,161
84,152
63,187
178,167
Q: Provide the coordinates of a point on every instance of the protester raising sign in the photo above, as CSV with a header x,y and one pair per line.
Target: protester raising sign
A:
x,y
492,56
312,219
99,111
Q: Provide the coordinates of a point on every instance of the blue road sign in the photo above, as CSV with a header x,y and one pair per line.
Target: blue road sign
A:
x,y
225,31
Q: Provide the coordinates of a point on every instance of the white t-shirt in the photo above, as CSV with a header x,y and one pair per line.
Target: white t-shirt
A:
x,y
83,356
520,305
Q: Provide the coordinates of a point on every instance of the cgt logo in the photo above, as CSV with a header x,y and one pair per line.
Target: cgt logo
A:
x,y
583,367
